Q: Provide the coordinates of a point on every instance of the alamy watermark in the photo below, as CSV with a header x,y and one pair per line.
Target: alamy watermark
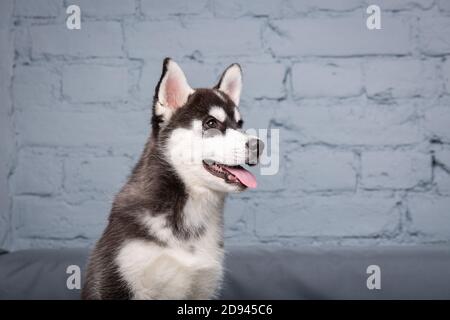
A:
x,y
374,280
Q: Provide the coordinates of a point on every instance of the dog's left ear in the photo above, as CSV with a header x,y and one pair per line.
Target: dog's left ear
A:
x,y
172,91
231,82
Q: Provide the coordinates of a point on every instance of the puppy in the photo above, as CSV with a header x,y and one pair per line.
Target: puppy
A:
x,y
164,238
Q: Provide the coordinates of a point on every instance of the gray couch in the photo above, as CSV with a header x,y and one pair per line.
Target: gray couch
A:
x,y
263,272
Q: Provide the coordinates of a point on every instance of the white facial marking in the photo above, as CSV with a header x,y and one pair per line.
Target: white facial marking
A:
x,y
187,147
218,113
237,115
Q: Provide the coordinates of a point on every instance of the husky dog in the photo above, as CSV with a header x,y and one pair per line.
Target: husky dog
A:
x,y
164,238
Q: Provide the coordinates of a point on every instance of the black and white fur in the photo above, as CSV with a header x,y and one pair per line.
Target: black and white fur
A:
x,y
164,238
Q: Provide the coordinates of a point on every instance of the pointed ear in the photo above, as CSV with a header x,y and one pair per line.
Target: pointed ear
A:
x,y
172,91
231,82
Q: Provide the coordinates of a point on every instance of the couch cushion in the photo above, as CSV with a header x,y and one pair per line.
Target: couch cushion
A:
x,y
263,272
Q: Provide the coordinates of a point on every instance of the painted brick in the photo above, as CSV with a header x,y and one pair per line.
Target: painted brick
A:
x,y
50,218
315,169
238,216
199,75
94,83
6,15
88,105
446,72
178,41
395,169
257,114
104,175
38,8
72,129
314,5
401,78
442,171
37,173
256,8
310,36
444,5
436,122
272,87
430,215
105,8
58,40
35,87
155,8
326,216
7,143
340,79
434,35
148,79
404,4
348,124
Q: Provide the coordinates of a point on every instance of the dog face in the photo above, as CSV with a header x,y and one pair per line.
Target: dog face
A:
x,y
199,131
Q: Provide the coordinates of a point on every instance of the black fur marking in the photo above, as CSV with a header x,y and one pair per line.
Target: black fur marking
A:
x,y
157,119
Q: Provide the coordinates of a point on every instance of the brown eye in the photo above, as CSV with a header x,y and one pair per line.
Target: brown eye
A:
x,y
211,123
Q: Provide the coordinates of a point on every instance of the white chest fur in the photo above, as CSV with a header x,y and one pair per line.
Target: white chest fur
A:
x,y
182,269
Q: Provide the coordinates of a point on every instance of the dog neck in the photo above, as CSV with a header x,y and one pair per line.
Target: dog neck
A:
x,y
155,188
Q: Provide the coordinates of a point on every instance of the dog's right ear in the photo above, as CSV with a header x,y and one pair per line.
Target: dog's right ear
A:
x,y
172,91
231,82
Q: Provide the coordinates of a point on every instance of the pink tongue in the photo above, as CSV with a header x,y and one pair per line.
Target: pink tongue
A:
x,y
244,176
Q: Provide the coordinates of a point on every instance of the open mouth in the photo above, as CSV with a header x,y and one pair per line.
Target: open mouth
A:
x,y
231,174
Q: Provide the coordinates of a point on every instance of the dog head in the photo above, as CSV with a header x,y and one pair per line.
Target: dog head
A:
x,y
199,131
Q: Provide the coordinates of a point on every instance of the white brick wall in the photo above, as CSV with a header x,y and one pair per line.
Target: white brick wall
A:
x,y
333,79
442,171
332,216
348,123
315,169
7,144
46,218
106,8
157,9
430,215
40,94
395,169
311,5
38,8
47,174
337,37
271,88
58,40
76,129
436,120
363,115
104,175
446,72
433,35
94,83
402,78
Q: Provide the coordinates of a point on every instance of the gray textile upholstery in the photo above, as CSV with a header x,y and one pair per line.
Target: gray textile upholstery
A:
x,y
263,273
